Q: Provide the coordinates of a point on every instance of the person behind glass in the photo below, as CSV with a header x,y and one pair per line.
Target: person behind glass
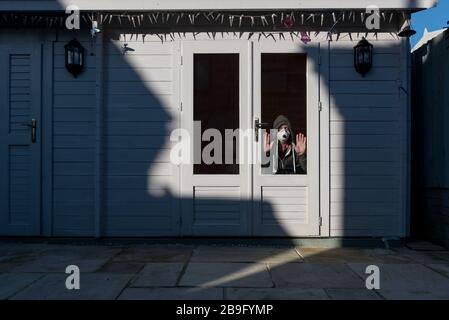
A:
x,y
291,158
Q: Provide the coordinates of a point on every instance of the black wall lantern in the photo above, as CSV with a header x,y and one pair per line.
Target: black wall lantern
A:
x,y
363,57
74,57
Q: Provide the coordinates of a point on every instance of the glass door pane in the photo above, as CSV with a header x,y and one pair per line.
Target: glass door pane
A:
x,y
216,106
284,106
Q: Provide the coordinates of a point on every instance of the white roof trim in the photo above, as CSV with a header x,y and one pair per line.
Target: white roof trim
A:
x,y
148,5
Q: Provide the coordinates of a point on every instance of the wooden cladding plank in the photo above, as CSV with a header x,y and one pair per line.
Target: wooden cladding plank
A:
x,y
365,195
137,114
74,114
364,127
134,168
368,208
67,88
73,141
366,168
348,73
363,87
358,100
73,168
132,128
380,60
147,100
359,113
76,101
73,155
364,154
138,88
138,75
364,141
139,61
84,128
365,182
137,141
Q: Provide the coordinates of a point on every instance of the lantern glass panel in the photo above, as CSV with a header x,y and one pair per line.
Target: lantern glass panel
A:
x,y
76,56
69,56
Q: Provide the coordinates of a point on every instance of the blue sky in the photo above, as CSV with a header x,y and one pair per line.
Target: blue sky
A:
x,y
434,19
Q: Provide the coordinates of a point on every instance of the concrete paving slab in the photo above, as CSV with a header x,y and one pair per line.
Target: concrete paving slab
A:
x,y
440,268
430,257
10,265
335,255
55,258
18,249
387,256
155,253
127,267
54,263
424,246
94,286
245,254
82,251
226,275
275,294
405,278
12,283
316,275
158,275
172,294
352,294
415,295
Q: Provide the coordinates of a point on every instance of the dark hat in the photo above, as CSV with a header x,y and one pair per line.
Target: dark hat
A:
x,y
281,120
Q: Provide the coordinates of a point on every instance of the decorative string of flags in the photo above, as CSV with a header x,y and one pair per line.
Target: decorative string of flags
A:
x,y
265,24
287,20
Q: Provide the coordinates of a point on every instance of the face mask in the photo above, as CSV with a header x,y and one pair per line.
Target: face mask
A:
x,y
283,135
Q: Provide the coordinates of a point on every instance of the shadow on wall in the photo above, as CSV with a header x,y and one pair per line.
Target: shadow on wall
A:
x,y
138,178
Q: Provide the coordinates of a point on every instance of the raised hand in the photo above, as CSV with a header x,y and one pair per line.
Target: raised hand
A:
x,y
301,144
267,143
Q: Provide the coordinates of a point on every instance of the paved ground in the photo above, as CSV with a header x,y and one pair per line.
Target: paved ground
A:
x,y
37,271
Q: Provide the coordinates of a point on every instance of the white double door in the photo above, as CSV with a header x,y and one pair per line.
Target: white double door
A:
x,y
235,85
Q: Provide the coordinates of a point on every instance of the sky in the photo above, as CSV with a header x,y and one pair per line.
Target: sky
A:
x,y
434,19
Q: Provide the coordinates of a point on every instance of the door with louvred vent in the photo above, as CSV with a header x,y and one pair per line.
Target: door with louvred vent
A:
x,y
20,140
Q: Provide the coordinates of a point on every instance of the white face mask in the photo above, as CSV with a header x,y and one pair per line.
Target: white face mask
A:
x,y
283,135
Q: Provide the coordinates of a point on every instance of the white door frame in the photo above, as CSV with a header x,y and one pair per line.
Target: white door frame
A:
x,y
189,181
311,182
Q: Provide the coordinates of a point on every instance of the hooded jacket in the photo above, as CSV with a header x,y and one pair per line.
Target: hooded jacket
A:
x,y
292,163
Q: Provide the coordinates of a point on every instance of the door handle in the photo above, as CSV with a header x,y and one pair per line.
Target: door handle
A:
x,y
33,126
259,125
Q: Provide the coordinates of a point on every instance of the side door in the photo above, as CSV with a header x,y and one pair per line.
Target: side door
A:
x,y
215,186
286,82
20,140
